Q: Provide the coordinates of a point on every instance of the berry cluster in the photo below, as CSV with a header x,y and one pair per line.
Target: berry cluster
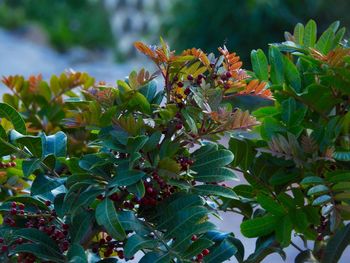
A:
x,y
322,228
8,164
185,163
45,221
201,255
108,246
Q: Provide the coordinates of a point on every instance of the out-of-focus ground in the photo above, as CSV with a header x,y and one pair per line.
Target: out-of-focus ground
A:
x,y
22,56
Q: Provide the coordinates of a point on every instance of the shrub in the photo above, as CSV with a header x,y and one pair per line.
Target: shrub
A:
x,y
153,167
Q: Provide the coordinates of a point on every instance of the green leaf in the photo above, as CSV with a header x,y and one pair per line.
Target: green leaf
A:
x,y
81,225
218,174
284,231
322,200
338,176
106,216
55,144
276,62
137,189
292,75
299,34
270,205
43,184
215,190
336,245
29,166
244,190
310,34
152,142
135,144
325,42
281,177
126,178
311,180
44,243
8,112
149,90
222,252
212,159
243,152
318,189
259,226
76,254
293,113
136,243
32,143
190,121
39,251
197,247
153,257
260,64
140,102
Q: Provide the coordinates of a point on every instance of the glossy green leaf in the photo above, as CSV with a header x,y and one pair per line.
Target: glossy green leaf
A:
x,y
322,200
336,245
106,216
292,75
218,174
221,253
276,62
76,254
215,190
270,205
197,247
136,243
299,33
284,231
260,64
29,166
259,226
8,112
213,159
32,143
43,184
126,178
310,34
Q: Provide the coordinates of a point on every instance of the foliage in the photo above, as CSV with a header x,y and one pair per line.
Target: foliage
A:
x,y
124,168
152,168
299,178
67,23
243,25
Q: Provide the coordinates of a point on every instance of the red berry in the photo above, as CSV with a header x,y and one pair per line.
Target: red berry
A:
x,y
180,84
47,203
114,197
100,197
120,254
178,126
13,204
1,240
149,190
21,206
190,77
108,238
205,252
228,74
65,226
194,238
12,164
4,248
200,256
187,91
13,211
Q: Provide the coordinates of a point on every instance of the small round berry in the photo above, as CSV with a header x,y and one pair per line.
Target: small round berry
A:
x,y
1,240
12,164
13,211
21,206
13,204
187,91
109,238
194,238
120,254
65,226
176,78
100,197
190,77
149,190
200,256
47,202
180,84
4,248
228,74
205,252
178,126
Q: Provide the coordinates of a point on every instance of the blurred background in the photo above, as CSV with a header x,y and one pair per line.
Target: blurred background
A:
x,y
50,36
